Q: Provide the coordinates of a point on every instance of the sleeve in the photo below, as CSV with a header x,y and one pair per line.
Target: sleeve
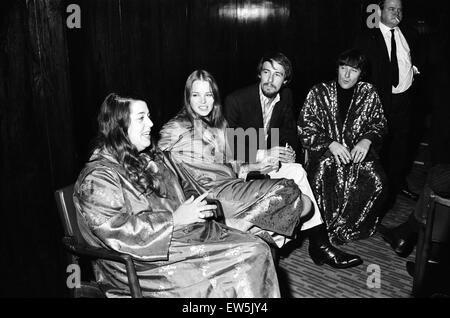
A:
x,y
143,234
288,129
361,42
312,131
170,134
364,42
231,111
188,187
232,115
240,168
376,125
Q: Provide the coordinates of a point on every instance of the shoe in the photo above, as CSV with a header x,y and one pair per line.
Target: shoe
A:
x,y
402,245
328,254
409,194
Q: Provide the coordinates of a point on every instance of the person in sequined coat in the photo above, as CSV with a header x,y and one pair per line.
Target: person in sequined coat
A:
x,y
196,138
342,126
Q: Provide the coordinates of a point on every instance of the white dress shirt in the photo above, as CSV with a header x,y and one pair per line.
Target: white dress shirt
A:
x,y
405,67
267,110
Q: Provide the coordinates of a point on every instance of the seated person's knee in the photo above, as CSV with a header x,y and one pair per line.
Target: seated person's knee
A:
x,y
307,207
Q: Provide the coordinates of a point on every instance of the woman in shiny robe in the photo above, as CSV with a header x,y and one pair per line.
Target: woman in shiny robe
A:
x,y
129,199
270,208
342,125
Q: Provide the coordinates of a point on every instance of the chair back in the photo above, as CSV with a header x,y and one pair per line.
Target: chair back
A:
x,y
67,212
68,215
423,285
76,246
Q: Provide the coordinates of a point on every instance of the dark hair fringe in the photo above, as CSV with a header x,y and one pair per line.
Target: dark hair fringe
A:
x,y
354,58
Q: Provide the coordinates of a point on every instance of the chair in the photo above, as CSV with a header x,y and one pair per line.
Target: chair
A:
x,y
425,243
77,247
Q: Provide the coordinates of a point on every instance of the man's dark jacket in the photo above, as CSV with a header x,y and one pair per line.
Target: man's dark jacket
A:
x,y
372,45
243,109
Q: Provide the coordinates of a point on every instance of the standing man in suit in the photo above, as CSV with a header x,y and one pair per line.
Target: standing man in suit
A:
x,y
390,51
266,107
403,237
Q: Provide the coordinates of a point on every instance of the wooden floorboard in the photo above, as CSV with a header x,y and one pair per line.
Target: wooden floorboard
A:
x,y
301,278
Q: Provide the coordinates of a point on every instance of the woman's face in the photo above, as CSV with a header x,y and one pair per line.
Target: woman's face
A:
x,y
348,76
202,98
140,125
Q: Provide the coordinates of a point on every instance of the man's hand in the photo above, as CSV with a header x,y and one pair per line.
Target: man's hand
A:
x,y
359,152
283,154
265,166
340,153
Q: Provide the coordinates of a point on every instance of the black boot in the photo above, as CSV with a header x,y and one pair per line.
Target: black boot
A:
x,y
322,252
402,238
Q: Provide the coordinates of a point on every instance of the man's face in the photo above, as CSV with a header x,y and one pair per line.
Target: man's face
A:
x,y
348,76
272,77
392,13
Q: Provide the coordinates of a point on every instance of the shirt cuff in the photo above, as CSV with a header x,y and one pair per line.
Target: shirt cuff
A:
x,y
260,154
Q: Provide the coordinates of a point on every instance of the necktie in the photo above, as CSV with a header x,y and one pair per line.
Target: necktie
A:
x,y
394,62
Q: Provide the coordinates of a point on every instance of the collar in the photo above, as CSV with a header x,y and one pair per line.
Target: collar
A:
x,y
385,29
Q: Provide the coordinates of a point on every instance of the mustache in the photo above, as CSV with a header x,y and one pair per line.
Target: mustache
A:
x,y
270,85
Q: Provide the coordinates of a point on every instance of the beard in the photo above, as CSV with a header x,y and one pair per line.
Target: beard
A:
x,y
269,90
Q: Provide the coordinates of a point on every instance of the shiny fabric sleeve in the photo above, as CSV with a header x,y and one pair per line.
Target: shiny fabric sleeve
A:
x,y
170,134
311,129
240,168
143,234
188,187
375,127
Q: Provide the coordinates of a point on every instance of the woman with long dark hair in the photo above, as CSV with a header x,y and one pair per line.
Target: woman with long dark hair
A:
x,y
129,199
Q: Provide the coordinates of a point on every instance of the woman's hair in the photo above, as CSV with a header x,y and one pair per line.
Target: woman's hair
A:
x,y
353,58
215,118
113,122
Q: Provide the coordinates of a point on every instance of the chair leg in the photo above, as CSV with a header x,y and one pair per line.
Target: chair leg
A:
x,y
422,252
419,269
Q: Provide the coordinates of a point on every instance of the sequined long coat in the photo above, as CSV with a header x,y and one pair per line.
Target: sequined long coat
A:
x,y
349,196
198,260
268,204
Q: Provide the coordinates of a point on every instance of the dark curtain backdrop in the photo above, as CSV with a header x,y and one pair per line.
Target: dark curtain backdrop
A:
x,y
53,80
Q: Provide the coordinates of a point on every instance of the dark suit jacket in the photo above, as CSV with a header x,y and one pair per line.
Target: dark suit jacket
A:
x,y
372,44
243,109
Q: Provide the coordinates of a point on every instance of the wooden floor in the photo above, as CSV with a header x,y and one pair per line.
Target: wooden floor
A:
x,y
301,278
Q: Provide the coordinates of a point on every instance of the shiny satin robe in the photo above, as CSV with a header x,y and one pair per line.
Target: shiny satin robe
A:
x,y
262,207
198,260
349,196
